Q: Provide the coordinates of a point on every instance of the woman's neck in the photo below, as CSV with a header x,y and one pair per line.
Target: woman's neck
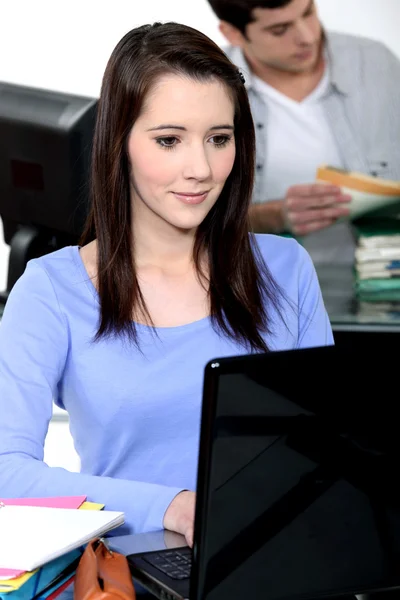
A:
x,y
160,245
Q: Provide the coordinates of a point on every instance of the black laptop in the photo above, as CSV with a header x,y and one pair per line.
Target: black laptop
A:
x,y
298,480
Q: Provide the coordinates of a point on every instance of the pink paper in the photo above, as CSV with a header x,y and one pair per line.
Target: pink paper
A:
x,y
56,502
9,574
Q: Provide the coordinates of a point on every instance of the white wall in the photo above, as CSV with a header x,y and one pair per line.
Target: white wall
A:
x,y
377,19
59,449
65,47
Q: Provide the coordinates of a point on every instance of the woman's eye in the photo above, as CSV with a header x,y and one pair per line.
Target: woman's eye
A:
x,y
220,140
167,142
171,141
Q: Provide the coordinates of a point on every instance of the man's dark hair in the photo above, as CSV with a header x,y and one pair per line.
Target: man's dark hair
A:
x,y
239,12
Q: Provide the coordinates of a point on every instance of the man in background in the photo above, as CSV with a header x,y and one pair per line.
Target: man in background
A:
x,y
317,98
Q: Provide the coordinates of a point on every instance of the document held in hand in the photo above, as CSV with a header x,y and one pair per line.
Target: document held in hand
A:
x,y
31,536
369,194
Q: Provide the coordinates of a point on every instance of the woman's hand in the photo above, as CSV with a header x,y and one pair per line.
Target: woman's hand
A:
x,y
179,515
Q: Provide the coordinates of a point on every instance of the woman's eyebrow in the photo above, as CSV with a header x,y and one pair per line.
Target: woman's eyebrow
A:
x,y
181,128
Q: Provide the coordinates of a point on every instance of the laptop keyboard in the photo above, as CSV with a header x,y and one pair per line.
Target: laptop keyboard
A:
x,y
174,563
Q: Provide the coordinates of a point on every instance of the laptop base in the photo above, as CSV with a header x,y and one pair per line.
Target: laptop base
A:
x,y
157,583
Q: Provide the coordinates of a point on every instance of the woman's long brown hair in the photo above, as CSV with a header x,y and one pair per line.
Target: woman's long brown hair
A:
x,y
242,292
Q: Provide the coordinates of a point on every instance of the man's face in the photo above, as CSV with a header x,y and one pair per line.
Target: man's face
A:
x,y
286,39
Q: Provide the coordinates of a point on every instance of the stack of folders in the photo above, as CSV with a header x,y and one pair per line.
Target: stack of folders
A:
x,y
374,212
42,540
377,265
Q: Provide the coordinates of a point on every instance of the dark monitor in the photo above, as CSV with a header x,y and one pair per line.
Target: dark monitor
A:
x,y
45,151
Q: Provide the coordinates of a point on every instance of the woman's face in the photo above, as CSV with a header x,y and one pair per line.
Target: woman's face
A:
x,y
181,151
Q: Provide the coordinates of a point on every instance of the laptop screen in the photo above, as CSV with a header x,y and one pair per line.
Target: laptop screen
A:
x,y
302,497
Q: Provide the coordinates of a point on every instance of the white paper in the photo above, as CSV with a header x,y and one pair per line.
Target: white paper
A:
x,y
31,536
363,203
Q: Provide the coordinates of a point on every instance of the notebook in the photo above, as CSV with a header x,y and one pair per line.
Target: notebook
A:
x,y
12,580
31,536
368,193
52,574
72,502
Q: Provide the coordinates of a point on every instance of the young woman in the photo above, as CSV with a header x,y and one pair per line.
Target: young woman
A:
x,y
118,330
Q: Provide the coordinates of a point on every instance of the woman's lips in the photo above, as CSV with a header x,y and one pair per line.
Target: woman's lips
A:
x,y
189,198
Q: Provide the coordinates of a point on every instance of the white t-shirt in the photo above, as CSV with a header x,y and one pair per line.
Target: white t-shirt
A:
x,y
298,141
299,138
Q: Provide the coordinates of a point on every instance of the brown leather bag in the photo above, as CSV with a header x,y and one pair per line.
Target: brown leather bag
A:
x,y
103,574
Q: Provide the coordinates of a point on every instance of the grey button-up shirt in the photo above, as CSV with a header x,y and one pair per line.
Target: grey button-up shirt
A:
x,y
363,111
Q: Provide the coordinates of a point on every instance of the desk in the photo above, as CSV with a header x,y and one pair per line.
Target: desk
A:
x,y
68,594
155,540
344,310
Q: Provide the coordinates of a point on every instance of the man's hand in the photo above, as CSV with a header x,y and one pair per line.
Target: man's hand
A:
x,y
308,208
179,515
305,208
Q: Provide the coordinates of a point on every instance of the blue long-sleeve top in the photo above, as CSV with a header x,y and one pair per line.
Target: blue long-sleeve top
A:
x,y
134,415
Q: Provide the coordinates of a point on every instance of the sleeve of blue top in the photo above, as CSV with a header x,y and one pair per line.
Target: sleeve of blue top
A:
x,y
314,324
33,350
